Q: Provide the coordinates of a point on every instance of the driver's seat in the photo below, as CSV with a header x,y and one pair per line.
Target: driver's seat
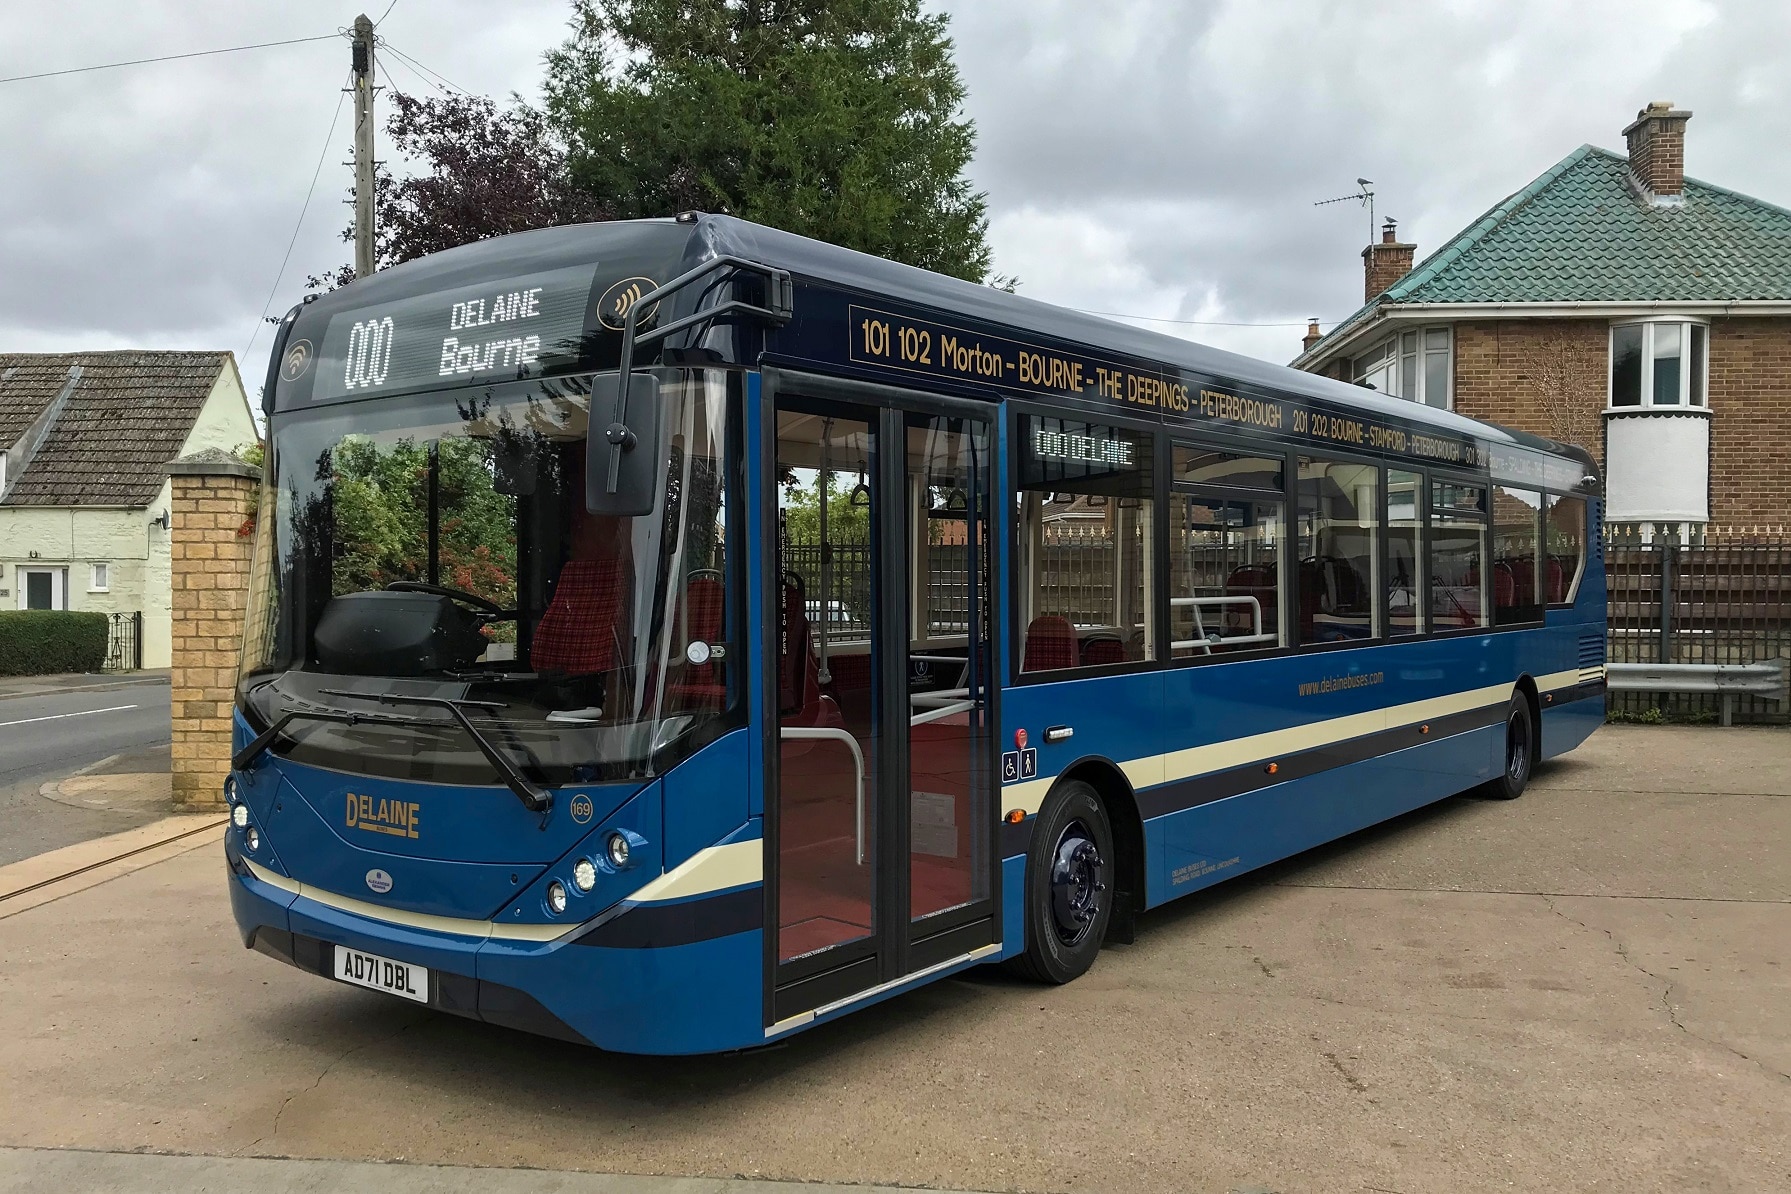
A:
x,y
577,634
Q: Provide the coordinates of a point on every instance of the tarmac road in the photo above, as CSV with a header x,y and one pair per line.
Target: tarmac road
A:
x,y
1587,989
52,729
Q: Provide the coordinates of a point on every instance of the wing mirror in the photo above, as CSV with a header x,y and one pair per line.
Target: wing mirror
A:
x,y
624,451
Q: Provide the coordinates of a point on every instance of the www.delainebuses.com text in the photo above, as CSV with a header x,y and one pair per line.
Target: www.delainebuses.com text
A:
x,y
888,340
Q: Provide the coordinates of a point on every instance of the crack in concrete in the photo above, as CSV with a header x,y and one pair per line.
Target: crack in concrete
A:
x,y
1355,1083
1666,993
274,1129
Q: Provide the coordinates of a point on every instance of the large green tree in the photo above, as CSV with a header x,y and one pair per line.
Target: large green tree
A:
x,y
836,119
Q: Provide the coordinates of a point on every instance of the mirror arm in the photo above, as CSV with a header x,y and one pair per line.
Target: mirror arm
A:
x,y
618,434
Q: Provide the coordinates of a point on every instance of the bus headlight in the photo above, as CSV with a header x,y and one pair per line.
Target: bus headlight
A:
x,y
556,897
239,816
584,874
618,850
253,837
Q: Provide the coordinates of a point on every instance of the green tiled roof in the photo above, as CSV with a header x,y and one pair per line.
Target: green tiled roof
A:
x,y
1580,233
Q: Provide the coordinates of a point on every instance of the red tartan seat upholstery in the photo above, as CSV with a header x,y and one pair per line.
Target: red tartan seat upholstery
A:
x,y
1504,586
701,684
1050,644
1557,581
577,634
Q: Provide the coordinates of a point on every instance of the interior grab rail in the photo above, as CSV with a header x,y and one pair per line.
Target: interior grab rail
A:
x,y
830,734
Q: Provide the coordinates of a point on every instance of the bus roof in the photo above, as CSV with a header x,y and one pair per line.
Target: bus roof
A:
x,y
683,243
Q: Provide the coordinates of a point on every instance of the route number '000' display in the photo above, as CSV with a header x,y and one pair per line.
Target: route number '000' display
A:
x,y
492,331
369,354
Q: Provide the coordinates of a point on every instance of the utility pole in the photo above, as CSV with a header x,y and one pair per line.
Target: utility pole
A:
x,y
363,146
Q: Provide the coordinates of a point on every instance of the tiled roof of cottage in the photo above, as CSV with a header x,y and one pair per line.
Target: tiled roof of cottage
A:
x,y
127,416
1579,233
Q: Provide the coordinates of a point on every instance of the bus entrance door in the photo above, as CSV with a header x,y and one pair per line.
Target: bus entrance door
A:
x,y
881,827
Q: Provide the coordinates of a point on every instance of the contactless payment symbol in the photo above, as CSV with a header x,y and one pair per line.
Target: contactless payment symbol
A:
x,y
296,361
623,297
581,808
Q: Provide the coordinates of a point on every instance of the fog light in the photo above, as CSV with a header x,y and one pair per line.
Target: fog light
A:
x,y
239,816
556,897
584,874
253,837
618,850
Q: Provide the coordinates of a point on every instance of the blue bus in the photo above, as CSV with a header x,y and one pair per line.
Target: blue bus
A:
x,y
670,635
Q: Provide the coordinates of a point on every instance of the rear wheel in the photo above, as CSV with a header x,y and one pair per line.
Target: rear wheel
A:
x,y
1520,751
1069,885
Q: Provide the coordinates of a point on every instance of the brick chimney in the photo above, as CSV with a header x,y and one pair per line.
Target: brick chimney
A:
x,y
1313,335
1385,263
1657,153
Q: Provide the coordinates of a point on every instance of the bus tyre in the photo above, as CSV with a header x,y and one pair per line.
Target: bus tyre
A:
x,y
1069,885
1520,751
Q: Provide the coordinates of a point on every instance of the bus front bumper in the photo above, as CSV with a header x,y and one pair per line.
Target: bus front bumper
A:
x,y
701,997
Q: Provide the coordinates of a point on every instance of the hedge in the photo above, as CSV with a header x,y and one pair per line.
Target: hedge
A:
x,y
40,642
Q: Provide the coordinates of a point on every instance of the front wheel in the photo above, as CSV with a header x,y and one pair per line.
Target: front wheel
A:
x,y
1520,751
1069,885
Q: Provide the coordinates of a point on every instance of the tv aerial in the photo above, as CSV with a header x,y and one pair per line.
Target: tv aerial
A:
x,y
1364,195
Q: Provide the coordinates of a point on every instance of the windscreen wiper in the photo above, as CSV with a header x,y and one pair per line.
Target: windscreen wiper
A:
x,y
245,758
536,800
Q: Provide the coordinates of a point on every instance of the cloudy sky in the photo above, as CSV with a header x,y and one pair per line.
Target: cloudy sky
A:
x,y
1158,159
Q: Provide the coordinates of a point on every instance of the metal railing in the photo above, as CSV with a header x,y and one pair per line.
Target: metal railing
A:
x,y
1709,603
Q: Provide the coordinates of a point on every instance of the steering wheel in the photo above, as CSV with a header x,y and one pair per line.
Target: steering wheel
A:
x,y
490,609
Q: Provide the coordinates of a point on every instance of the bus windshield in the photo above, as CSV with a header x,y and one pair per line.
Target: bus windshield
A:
x,y
436,548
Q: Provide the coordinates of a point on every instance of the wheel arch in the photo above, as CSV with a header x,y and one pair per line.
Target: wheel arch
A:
x,y
1121,804
1526,684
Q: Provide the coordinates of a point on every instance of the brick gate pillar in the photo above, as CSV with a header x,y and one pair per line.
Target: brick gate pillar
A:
x,y
213,493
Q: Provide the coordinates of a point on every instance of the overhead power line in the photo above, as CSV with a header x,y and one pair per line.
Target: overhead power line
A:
x,y
261,321
418,66
76,70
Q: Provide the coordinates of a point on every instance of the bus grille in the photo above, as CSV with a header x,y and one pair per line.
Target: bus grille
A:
x,y
1591,657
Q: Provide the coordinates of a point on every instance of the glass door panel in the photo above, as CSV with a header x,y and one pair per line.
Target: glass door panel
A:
x,y
827,670
948,666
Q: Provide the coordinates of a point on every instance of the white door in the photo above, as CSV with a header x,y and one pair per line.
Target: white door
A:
x,y
43,588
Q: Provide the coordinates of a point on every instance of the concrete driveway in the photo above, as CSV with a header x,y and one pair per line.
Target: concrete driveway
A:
x,y
1585,990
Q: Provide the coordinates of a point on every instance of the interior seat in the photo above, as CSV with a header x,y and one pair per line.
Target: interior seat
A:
x,y
1050,645
577,634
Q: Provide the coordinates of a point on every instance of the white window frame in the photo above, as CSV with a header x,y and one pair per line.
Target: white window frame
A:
x,y
99,577
1648,324
1391,361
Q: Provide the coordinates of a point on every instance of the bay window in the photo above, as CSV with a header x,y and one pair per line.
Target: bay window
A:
x,y
1660,362
1412,364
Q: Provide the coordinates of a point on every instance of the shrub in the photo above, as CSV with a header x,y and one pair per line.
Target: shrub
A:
x,y
40,642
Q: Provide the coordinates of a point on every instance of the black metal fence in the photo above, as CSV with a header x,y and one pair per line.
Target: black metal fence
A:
x,y
124,643
1710,602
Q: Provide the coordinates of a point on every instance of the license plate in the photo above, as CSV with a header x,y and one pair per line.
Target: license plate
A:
x,y
403,979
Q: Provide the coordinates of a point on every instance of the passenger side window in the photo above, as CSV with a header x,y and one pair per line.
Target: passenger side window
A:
x,y
1516,587
1566,550
1405,553
1083,538
1457,556
1225,546
1338,544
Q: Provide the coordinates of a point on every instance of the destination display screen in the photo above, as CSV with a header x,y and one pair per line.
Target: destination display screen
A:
x,y
492,330
1058,451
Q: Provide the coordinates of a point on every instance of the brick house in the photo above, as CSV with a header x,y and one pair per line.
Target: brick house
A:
x,y
85,441
1611,303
